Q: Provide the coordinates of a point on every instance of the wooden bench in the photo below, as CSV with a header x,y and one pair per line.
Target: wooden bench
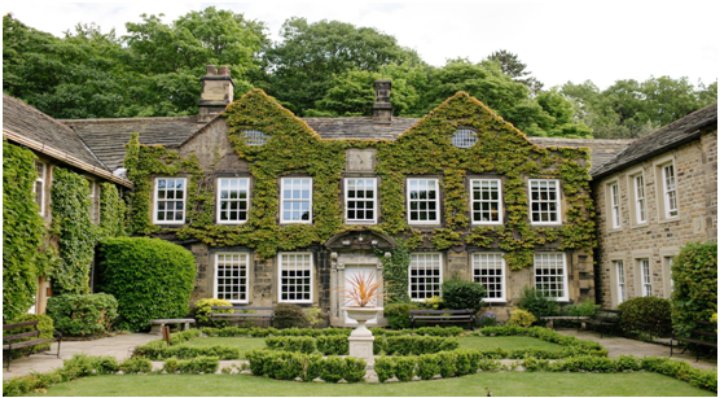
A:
x,y
24,339
550,320
436,317
157,325
705,335
237,314
605,322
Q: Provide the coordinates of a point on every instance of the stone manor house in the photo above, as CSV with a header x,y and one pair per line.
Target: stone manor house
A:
x,y
286,210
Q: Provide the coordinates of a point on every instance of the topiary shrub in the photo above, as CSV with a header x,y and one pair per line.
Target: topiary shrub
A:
x,y
83,315
694,298
586,308
398,314
151,278
535,302
136,365
202,309
460,294
521,318
646,315
289,316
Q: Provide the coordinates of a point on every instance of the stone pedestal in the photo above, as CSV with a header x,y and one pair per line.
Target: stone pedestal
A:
x,y
362,347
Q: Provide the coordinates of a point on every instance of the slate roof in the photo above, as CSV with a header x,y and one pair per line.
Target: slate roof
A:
x,y
107,137
670,136
26,121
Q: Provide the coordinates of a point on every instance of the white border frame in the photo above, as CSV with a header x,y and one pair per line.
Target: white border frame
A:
x,y
558,201
155,202
442,265
665,201
437,202
282,201
375,201
42,180
279,278
638,262
217,201
566,295
247,276
609,185
634,186
501,207
502,299
619,298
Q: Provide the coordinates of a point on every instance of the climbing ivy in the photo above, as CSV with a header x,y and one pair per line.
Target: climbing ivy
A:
x,y
112,212
395,273
72,228
22,230
425,149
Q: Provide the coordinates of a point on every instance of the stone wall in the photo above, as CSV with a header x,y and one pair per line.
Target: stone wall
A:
x,y
659,238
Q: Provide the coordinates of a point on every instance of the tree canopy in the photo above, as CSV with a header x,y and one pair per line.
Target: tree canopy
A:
x,y
324,68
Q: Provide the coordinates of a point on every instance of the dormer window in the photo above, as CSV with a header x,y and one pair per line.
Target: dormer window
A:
x,y
255,138
464,138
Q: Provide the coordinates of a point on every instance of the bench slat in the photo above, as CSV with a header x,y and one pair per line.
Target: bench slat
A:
x,y
164,321
240,316
28,343
13,337
8,326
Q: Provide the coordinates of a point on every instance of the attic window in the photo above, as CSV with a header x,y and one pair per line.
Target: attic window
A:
x,y
464,138
255,138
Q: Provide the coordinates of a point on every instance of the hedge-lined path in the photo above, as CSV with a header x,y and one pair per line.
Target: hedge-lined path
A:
x,y
120,347
618,346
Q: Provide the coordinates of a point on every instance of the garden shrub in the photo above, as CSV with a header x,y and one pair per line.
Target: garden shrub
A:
x,y
694,298
572,346
521,318
405,368
291,365
45,327
585,308
333,345
354,370
385,368
159,350
295,344
646,315
185,335
233,331
536,303
289,316
151,278
460,294
136,365
626,363
332,369
487,319
428,365
398,314
81,365
417,345
83,315
439,331
202,309
448,365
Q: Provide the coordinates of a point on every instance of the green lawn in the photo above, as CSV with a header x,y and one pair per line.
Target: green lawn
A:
x,y
246,344
499,384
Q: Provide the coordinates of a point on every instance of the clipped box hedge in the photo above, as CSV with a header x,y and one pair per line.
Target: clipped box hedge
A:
x,y
83,315
282,365
151,278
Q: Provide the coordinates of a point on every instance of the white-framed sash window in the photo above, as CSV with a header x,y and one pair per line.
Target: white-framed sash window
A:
x,y
423,201
619,280
544,201
486,201
489,270
645,276
425,276
170,196
640,204
615,204
295,277
233,200
39,186
361,200
232,277
551,275
296,200
669,190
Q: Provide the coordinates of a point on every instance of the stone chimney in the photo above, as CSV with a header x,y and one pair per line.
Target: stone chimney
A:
x,y
382,109
217,92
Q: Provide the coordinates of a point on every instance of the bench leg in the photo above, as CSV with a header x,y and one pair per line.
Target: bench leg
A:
x,y
58,351
186,326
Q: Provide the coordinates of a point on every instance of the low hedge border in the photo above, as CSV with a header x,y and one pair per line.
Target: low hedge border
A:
x,y
573,346
282,365
704,379
233,331
338,345
159,350
428,366
74,368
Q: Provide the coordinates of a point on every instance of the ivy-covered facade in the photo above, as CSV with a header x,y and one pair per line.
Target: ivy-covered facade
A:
x,y
276,213
277,209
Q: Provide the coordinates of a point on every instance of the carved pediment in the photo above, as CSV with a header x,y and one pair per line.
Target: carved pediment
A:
x,y
358,240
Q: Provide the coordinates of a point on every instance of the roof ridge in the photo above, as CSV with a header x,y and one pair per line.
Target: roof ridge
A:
x,y
125,119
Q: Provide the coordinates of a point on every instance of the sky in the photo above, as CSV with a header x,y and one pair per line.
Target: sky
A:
x,y
559,40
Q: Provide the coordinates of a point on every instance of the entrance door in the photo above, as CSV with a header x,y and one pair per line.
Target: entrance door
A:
x,y
351,270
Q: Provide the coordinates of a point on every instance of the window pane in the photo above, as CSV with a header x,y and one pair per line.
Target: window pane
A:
x,y
424,276
550,275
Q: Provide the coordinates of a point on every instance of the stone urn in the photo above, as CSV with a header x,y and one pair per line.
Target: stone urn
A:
x,y
361,339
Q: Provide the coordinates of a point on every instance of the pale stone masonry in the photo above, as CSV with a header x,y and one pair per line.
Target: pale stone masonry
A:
x,y
648,229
